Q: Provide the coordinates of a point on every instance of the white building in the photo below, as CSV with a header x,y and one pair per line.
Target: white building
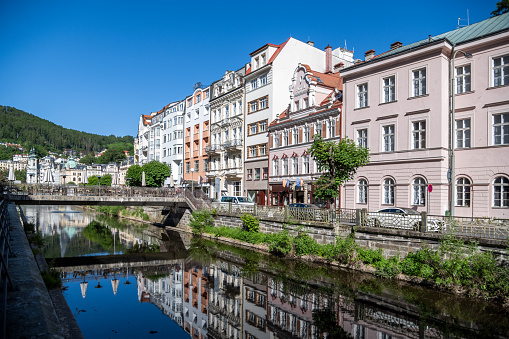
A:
x,y
173,140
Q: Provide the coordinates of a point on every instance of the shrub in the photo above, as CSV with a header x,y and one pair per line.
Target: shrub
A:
x,y
200,220
305,244
369,256
36,239
250,223
281,243
387,268
51,279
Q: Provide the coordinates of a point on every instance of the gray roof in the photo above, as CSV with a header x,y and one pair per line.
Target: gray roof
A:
x,y
458,36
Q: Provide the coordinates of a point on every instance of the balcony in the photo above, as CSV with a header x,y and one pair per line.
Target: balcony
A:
x,y
234,144
225,122
211,149
235,172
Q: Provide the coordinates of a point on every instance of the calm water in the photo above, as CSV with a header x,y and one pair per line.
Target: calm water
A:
x,y
205,289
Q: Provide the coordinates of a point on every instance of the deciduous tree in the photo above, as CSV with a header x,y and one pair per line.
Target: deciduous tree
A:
x,y
338,161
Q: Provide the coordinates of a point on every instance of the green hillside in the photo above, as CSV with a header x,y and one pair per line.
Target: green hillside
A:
x,y
23,128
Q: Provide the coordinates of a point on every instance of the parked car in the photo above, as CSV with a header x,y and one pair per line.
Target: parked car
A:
x,y
402,218
238,203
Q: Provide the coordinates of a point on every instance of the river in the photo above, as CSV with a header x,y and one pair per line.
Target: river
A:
x,y
204,289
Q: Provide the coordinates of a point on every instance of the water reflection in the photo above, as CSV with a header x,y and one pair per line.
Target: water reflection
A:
x,y
204,289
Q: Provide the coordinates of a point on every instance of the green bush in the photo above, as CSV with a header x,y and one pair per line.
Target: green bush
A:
x,y
305,244
369,256
51,279
200,220
250,223
281,243
36,239
387,268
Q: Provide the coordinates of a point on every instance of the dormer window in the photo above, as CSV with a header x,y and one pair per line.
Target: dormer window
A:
x,y
297,105
198,98
263,59
257,63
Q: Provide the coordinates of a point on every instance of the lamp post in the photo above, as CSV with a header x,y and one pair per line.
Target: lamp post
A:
x,y
64,176
452,130
192,181
128,180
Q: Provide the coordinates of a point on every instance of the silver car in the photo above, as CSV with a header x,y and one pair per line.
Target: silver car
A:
x,y
402,218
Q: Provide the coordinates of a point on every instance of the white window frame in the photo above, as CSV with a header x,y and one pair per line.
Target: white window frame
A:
x,y
388,89
388,191
419,134
362,95
285,166
362,191
502,127
275,167
307,133
420,80
254,84
501,188
463,185
463,80
504,70
295,165
419,187
464,132
305,164
388,135
276,139
263,80
362,137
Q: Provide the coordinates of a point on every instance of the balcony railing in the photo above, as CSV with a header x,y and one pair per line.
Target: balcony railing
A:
x,y
212,148
233,143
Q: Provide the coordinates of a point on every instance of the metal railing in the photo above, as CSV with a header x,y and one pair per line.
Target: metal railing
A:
x,y
5,252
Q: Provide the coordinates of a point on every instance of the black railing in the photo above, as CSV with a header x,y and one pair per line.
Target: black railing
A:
x,y
5,253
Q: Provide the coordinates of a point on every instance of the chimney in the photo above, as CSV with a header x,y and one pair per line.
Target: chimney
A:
x,y
328,59
311,43
396,44
338,67
369,55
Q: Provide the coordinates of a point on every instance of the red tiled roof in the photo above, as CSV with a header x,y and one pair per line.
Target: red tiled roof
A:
x,y
248,70
276,53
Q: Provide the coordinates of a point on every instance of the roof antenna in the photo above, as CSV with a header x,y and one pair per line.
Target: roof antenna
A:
x,y
467,20
345,45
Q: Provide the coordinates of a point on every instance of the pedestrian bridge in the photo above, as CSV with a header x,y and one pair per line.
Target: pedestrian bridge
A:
x,y
103,196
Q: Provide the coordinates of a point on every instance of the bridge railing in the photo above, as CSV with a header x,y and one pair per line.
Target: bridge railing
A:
x,y
5,253
118,191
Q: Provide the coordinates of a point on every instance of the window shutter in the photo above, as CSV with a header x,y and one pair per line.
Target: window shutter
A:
x,y
289,137
312,130
300,134
271,140
338,131
324,130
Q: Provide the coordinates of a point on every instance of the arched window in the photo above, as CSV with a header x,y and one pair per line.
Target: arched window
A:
x,y
362,188
419,190
501,192
388,189
463,192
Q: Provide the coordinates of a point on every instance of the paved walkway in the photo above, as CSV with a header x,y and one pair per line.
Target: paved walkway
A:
x,y
30,309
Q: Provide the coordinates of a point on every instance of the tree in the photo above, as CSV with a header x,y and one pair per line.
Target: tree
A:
x,y
87,159
502,7
338,161
134,172
155,173
105,180
111,155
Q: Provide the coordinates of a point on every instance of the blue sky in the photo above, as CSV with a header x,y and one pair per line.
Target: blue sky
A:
x,y
95,66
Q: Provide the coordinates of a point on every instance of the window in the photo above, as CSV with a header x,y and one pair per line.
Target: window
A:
x,y
196,165
252,151
362,189
253,106
463,79
236,188
419,190
250,174
419,82
331,128
501,192
188,167
419,134
263,80
253,129
501,71
305,164
388,138
295,165
463,192
265,173
275,167
276,139
257,174
388,190
305,103
306,133
198,98
205,165
254,84
362,95
318,128
285,138
463,133
189,103
362,137
263,126
263,103
285,166
389,89
297,105
262,150
295,136
501,129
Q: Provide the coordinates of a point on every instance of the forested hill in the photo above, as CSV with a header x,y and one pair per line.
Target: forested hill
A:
x,y
23,128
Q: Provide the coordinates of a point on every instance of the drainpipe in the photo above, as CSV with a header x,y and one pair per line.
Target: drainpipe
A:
x,y
452,127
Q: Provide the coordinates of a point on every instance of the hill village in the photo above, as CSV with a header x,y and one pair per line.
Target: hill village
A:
x,y
248,133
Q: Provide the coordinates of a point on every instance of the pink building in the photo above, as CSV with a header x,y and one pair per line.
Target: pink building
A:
x,y
314,108
398,105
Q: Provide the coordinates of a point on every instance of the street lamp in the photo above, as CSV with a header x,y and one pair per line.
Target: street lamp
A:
x,y
452,129
128,184
192,181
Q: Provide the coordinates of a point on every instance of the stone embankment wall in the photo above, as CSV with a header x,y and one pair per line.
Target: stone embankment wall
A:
x,y
392,242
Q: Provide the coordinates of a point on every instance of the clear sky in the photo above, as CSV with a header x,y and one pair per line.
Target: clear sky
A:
x,y
96,65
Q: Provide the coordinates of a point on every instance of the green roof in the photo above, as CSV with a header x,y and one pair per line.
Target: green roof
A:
x,y
458,36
